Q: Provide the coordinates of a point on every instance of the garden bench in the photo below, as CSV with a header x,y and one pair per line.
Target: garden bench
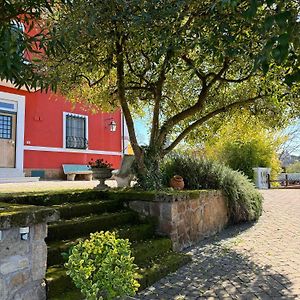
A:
x,y
72,170
124,175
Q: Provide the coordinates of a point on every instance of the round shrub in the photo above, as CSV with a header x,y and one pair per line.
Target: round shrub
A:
x,y
243,200
102,267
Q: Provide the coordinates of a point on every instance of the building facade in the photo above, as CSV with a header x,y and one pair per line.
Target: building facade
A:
x,y
39,132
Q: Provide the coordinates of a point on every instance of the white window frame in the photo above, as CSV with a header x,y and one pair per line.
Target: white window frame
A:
x,y
65,127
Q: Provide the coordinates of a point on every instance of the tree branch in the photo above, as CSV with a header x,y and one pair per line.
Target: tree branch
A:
x,y
191,64
212,114
235,80
91,83
158,97
125,108
217,76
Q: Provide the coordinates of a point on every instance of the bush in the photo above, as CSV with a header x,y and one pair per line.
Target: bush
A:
x,y
102,267
244,142
244,156
243,200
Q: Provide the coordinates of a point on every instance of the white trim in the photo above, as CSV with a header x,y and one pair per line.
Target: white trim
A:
x,y
20,126
64,127
69,150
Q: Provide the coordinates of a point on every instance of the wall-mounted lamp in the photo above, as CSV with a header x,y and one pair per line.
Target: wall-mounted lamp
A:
x,y
24,232
112,125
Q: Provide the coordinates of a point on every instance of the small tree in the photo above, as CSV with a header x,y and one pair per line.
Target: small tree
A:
x,y
245,142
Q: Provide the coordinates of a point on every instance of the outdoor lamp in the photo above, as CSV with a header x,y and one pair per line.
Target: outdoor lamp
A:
x,y
112,126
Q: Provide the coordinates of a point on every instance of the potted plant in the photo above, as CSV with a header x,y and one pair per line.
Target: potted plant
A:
x,y
101,171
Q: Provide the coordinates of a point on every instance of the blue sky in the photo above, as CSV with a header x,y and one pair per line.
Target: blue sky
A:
x,y
292,145
141,131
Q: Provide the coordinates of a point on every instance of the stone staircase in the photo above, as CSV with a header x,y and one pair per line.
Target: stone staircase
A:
x,y
12,175
153,254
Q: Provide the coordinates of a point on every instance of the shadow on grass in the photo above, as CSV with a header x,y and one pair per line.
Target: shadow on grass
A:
x,y
220,272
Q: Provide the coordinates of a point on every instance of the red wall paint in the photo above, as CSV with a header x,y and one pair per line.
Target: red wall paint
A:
x,y
54,160
44,128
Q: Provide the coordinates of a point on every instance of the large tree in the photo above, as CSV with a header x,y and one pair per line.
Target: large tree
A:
x,y
185,62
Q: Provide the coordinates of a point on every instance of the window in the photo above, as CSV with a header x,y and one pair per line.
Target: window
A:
x,y
76,131
5,127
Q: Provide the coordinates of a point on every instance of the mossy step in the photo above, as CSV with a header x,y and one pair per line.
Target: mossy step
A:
x,y
82,226
71,210
142,251
60,285
145,251
161,267
49,198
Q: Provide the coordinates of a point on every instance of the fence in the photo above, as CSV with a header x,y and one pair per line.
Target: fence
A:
x,y
286,179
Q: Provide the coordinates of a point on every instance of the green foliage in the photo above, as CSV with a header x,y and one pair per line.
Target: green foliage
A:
x,y
151,177
245,156
20,39
244,201
102,267
294,167
243,142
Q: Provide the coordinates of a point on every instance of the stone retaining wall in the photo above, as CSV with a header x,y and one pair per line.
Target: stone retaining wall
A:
x,y
23,262
187,217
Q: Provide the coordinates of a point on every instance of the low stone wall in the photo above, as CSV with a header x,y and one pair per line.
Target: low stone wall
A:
x,y
23,259
186,217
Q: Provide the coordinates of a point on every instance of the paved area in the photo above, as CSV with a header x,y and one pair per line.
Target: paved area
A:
x,y
51,185
261,261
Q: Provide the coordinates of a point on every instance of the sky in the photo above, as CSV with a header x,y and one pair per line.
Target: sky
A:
x,y
292,145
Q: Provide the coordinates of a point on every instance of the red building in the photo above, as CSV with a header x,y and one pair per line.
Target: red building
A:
x,y
39,132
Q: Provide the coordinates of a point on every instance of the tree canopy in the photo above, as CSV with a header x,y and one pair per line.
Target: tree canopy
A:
x,y
185,62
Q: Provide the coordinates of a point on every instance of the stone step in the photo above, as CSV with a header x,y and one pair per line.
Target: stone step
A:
x,y
82,226
49,198
61,287
72,210
19,179
11,173
142,250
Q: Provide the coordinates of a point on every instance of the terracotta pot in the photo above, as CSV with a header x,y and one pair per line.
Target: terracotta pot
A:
x,y
177,182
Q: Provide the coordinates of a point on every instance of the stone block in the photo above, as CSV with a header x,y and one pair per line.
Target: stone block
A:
x,y
155,209
141,207
13,264
19,280
165,227
39,260
35,291
39,231
3,289
166,211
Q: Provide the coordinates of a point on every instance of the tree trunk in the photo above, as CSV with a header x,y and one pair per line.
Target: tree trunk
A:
x,y
138,152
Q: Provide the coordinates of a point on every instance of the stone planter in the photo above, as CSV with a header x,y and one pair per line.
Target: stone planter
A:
x,y
101,174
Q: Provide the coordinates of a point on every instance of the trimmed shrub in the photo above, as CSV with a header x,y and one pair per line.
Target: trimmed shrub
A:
x,y
243,200
102,267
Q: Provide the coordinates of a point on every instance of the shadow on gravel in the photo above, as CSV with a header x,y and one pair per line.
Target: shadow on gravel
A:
x,y
219,272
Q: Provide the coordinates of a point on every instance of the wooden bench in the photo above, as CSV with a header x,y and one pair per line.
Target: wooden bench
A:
x,y
124,175
72,170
